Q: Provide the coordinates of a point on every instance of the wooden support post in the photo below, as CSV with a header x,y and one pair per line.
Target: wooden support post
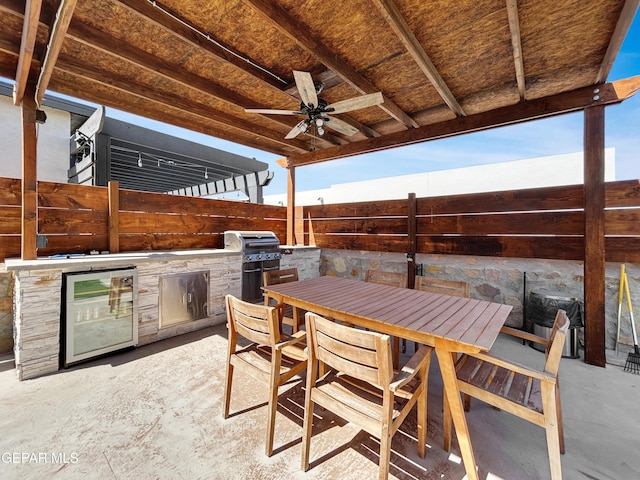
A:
x,y
299,222
411,244
594,240
29,179
114,217
291,206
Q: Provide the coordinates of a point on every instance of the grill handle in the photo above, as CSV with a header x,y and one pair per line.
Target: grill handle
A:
x,y
253,271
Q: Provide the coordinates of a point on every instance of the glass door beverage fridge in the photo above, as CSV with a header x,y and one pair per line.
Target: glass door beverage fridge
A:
x,y
99,313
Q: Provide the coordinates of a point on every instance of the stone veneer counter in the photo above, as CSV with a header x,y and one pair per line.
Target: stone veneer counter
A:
x,y
37,294
37,299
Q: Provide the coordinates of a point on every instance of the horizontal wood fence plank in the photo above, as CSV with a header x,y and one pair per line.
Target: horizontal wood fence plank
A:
x,y
517,223
10,191
558,248
67,195
60,244
622,194
549,198
137,222
145,242
72,222
622,221
622,249
9,246
374,243
10,220
383,208
134,201
372,226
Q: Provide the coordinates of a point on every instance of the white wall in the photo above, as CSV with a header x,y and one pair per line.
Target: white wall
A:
x,y
53,143
518,174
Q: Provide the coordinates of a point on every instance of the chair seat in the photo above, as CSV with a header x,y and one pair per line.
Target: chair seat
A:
x,y
516,387
260,358
360,398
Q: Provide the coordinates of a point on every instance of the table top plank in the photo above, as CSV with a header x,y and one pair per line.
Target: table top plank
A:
x,y
412,314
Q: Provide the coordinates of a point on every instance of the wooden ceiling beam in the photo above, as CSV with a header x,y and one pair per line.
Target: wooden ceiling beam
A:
x,y
398,24
189,33
603,94
58,32
162,17
281,20
125,85
108,45
27,43
622,27
514,27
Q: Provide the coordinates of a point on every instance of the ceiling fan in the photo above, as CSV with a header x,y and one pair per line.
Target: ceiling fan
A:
x,y
317,110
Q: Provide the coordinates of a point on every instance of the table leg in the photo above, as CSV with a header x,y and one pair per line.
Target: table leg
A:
x,y
447,369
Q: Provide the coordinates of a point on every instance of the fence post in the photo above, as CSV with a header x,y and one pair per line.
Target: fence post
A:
x,y
114,217
411,244
28,245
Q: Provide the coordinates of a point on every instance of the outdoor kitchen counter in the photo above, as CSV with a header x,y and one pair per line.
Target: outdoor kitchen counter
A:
x,y
107,260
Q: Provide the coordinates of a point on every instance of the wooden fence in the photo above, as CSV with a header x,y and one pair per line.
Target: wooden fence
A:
x,y
78,219
532,223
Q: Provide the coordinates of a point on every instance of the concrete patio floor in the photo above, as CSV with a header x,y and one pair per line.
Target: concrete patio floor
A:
x,y
155,413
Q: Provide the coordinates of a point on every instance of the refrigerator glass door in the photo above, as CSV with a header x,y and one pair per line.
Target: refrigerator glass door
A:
x,y
101,313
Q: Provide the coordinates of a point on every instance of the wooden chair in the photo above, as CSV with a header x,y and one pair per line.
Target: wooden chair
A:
x,y
387,278
437,285
292,315
395,279
361,385
271,357
533,395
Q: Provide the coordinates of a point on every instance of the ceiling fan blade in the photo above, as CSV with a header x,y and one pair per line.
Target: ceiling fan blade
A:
x,y
306,87
357,103
300,127
271,111
340,126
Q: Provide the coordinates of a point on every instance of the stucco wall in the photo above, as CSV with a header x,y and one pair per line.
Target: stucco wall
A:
x,y
53,143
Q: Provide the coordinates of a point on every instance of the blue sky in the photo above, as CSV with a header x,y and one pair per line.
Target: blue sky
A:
x,y
553,136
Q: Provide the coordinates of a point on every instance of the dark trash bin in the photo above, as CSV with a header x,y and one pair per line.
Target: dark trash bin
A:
x,y
541,313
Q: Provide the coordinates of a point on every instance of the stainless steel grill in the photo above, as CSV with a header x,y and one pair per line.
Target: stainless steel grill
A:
x,y
260,252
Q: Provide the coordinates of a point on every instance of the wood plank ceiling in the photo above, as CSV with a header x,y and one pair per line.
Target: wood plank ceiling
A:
x,y
443,67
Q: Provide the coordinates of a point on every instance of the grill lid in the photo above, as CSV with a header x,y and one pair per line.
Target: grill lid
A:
x,y
251,241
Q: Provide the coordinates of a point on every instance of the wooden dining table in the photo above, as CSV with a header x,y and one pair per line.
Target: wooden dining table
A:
x,y
449,324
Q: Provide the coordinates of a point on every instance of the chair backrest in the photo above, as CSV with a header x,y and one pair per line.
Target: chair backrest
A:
x,y
555,346
274,277
387,278
447,287
256,323
359,353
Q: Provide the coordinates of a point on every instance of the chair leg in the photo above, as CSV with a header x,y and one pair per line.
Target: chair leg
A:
x,y
559,413
385,453
307,422
396,352
551,430
271,417
446,423
467,402
422,414
227,390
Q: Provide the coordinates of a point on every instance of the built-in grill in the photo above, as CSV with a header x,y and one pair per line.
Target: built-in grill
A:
x,y
260,252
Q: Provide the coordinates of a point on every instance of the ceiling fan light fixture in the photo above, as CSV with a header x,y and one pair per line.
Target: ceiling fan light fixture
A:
x,y
320,130
303,126
319,121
